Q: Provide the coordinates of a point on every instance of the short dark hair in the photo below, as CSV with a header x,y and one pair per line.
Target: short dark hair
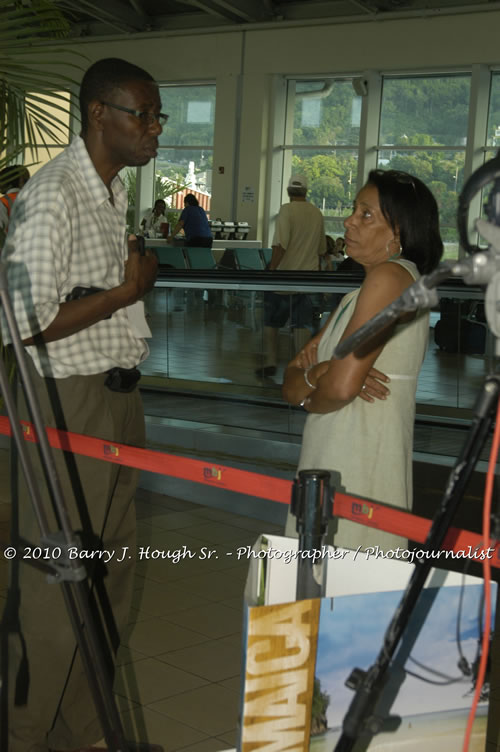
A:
x,y
191,200
103,78
411,210
14,176
294,191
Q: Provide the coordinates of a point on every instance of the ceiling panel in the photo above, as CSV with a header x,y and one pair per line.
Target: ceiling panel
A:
x,y
105,17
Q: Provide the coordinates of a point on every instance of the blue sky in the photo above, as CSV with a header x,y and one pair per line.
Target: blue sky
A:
x,y
351,636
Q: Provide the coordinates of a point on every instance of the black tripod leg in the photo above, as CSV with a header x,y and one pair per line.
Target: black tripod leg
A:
x,y
77,599
73,581
484,415
396,675
369,684
9,628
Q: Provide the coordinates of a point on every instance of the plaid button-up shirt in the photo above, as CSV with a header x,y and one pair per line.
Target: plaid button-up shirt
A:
x,y
65,232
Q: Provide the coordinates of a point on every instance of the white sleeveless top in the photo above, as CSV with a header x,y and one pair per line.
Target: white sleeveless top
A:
x,y
370,445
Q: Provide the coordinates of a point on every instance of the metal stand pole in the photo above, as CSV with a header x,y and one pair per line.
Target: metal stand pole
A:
x,y
67,572
361,719
311,504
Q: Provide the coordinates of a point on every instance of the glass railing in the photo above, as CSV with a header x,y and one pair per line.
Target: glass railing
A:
x,y
208,336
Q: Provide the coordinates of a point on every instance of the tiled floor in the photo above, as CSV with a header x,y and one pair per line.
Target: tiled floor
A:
x,y
179,667
181,663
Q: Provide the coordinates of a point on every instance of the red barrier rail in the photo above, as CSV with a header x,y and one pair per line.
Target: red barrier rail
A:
x,y
378,516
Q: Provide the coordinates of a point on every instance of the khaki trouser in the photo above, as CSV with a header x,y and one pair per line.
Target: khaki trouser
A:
x,y
60,713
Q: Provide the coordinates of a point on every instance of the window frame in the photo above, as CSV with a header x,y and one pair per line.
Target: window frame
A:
x,y
476,149
146,176
284,146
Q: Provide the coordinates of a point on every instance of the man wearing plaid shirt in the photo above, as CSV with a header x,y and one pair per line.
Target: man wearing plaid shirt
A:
x,y
76,283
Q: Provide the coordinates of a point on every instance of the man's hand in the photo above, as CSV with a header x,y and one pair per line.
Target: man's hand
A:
x,y
276,257
140,272
75,315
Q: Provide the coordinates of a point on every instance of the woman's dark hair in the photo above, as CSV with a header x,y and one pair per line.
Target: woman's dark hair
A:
x,y
412,211
101,80
190,200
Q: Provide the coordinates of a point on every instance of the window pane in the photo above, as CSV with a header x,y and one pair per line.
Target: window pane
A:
x,y
129,177
485,193
331,178
326,112
191,168
191,111
442,172
487,212
44,156
494,112
425,111
334,226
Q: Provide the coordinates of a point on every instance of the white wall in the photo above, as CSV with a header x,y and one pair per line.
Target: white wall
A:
x,y
246,65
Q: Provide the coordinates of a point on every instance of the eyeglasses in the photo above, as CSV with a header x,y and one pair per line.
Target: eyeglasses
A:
x,y
146,118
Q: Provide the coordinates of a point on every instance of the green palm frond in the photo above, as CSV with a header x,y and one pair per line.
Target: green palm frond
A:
x,y
31,69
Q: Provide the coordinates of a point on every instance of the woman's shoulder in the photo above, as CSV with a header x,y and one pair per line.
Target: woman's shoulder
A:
x,y
388,279
410,266
393,269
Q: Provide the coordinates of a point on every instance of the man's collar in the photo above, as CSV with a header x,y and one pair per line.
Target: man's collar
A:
x,y
96,187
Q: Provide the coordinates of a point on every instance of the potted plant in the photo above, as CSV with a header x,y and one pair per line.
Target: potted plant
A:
x,y
28,76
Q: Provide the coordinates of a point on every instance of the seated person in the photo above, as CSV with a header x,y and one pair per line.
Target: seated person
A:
x,y
334,254
194,222
154,219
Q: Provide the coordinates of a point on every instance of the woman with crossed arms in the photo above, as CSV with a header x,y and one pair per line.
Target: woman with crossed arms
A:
x,y
355,426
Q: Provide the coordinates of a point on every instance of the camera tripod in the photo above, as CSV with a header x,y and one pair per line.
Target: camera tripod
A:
x,y
62,569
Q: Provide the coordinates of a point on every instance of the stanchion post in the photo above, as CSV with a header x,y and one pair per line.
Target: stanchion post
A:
x,y
311,504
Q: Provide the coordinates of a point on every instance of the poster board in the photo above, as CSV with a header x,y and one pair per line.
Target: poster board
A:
x,y
298,655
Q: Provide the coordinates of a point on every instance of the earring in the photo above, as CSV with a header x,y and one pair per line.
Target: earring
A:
x,y
396,255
